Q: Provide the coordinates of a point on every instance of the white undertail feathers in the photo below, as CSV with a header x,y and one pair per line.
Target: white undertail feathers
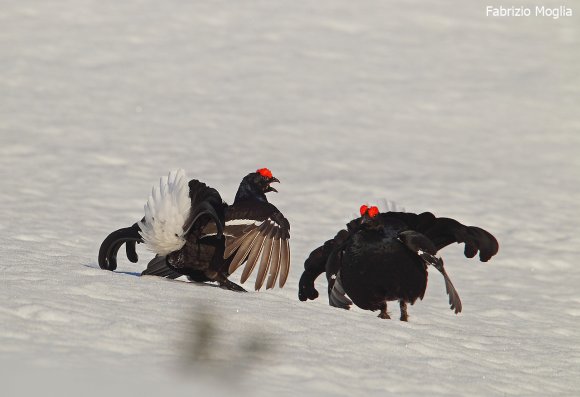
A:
x,y
166,211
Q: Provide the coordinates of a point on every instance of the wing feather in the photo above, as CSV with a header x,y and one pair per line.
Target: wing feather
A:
x,y
232,244
236,235
284,262
244,250
274,262
337,297
258,233
454,300
254,254
265,261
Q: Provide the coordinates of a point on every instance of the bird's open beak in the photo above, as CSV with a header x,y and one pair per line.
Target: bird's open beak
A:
x,y
270,188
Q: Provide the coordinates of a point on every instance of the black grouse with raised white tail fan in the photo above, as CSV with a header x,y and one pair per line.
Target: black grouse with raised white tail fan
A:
x,y
382,257
194,233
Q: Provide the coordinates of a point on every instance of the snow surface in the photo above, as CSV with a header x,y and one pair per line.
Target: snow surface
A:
x,y
432,105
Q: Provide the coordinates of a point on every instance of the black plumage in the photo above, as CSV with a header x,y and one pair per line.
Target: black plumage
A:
x,y
382,257
219,238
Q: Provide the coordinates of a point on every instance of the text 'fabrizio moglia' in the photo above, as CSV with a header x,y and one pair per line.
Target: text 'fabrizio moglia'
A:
x,y
537,11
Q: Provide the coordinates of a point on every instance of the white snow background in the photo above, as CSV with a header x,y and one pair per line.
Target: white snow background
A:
x,y
431,105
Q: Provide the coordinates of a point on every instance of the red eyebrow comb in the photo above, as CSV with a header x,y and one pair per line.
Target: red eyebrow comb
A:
x,y
363,209
266,173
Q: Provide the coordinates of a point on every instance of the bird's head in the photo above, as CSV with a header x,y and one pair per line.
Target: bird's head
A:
x,y
263,178
255,185
369,217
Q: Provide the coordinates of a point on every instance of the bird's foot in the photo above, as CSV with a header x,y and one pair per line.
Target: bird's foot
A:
x,y
383,314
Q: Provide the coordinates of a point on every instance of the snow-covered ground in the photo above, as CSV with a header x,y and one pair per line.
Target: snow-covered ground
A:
x,y
432,105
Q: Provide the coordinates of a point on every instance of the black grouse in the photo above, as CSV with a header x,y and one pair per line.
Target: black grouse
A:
x,y
382,257
195,234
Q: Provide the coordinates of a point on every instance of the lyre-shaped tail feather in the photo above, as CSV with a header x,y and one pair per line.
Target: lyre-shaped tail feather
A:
x,y
110,246
166,212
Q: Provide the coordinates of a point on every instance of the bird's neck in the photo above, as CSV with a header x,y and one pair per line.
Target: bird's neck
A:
x,y
247,192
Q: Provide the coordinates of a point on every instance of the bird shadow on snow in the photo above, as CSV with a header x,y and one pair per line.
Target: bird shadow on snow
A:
x,y
130,273
138,274
96,267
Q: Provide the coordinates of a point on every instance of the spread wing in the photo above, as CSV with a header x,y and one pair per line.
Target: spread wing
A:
x,y
316,264
444,231
258,233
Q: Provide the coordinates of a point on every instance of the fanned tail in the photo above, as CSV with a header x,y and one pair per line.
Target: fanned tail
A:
x,y
166,212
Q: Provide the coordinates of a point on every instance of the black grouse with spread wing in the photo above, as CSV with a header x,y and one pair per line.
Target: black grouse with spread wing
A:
x,y
194,233
382,257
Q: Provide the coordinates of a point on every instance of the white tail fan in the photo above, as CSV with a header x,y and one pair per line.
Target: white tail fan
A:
x,y
388,205
166,211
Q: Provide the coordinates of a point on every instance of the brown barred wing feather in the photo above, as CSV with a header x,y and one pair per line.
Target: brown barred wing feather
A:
x,y
261,235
